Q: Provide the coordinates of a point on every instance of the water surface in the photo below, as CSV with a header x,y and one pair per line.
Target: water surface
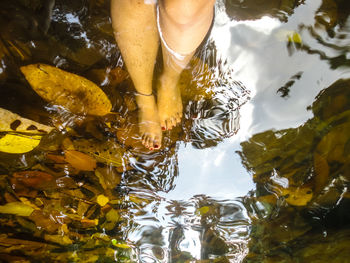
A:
x,y
258,171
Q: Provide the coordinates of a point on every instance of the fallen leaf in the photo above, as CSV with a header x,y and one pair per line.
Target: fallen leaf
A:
x,y
86,223
19,143
120,245
202,211
16,208
108,177
58,239
110,77
297,196
107,152
102,200
79,160
295,38
35,179
10,121
45,221
77,94
321,172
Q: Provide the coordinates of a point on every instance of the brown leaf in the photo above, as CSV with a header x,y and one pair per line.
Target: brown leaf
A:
x,y
79,160
44,221
87,223
107,152
35,179
56,158
108,177
110,77
322,172
75,93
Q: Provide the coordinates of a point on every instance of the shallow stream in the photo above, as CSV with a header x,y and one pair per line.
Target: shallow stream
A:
x,y
258,170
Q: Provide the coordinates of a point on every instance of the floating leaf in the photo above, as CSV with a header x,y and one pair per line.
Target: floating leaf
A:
x,y
19,143
77,94
10,121
102,200
80,161
16,208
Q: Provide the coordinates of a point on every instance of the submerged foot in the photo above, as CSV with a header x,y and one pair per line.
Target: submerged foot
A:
x,y
149,126
169,102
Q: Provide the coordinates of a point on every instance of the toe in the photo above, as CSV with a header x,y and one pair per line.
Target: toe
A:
x,y
178,119
173,122
157,143
163,125
149,143
169,125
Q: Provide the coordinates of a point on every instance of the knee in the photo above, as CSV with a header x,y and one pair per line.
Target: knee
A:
x,y
185,12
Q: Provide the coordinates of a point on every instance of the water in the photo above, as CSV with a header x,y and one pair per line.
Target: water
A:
x,y
258,172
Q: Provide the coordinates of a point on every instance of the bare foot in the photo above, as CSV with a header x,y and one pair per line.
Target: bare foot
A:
x,y
149,126
169,102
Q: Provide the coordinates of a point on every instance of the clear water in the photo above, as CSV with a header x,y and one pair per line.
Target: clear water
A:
x,y
258,172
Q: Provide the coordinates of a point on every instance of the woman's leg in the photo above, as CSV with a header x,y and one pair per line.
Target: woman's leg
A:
x,y
135,29
182,25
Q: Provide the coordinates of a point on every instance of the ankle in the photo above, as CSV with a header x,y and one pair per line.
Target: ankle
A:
x,y
145,102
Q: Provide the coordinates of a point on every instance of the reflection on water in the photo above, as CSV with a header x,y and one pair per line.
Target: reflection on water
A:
x,y
258,171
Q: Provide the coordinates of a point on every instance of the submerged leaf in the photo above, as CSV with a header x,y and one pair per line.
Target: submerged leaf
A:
x,y
16,208
10,121
36,179
121,245
77,94
80,161
107,152
202,211
19,143
102,200
297,196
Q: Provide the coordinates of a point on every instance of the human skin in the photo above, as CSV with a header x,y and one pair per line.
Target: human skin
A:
x,y
183,24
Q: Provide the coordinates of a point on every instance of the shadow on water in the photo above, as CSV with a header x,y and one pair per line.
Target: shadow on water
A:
x,y
258,171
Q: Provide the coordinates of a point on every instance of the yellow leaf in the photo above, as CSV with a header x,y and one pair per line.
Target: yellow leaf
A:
x,y
291,36
16,208
77,94
19,143
203,210
102,200
297,38
297,196
80,161
106,152
10,121
125,246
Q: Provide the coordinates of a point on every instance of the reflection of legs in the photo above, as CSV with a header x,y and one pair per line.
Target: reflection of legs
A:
x,y
136,33
183,25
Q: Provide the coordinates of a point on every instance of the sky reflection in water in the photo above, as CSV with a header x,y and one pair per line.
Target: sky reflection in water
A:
x,y
258,53
256,50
